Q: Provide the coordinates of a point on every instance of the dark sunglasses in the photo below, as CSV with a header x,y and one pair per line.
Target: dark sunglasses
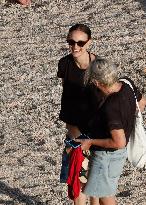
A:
x,y
71,42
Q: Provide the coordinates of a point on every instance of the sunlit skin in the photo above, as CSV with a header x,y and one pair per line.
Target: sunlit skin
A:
x,y
115,141
24,2
81,57
107,90
79,53
142,103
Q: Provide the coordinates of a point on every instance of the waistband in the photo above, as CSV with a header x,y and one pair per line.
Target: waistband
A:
x,y
96,148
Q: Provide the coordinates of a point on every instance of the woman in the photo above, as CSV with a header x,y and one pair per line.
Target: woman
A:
x,y
110,132
73,68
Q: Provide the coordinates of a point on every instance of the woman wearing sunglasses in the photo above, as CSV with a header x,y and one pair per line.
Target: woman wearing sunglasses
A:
x,y
72,69
76,109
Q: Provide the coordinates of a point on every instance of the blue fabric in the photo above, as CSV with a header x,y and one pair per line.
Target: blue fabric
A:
x,y
64,167
104,171
66,158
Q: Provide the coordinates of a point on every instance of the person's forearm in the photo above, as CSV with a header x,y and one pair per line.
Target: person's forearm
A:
x,y
107,143
117,141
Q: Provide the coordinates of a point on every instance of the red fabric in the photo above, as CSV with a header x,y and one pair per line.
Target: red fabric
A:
x,y
76,159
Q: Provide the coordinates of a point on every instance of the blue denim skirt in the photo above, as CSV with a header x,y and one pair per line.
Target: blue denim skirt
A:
x,y
104,171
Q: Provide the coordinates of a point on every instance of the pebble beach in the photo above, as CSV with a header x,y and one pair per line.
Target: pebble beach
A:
x,y
32,40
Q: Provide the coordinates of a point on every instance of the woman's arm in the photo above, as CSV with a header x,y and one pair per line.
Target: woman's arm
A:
x,y
142,103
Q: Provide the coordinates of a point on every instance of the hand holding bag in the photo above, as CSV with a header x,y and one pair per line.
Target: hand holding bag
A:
x,y
136,147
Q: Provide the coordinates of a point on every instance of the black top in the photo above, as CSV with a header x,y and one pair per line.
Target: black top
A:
x,y
76,103
117,112
85,106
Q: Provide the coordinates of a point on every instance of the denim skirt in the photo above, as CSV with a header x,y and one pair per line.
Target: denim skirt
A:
x,y
104,171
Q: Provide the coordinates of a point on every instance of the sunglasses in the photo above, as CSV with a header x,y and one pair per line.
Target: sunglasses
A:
x,y
71,42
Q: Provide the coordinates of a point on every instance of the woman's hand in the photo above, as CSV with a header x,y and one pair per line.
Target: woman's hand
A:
x,y
85,143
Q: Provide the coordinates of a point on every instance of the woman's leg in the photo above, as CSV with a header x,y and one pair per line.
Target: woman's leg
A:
x,y
111,200
94,201
81,200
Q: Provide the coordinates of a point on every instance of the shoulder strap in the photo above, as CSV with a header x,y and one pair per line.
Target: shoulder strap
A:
x,y
128,82
89,56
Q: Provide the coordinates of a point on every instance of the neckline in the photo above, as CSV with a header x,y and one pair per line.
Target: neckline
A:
x,y
121,88
75,63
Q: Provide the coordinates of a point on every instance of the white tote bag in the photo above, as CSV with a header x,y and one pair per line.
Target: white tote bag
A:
x,y
136,147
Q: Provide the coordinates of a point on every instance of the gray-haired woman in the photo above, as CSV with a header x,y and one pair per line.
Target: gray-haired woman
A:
x,y
110,132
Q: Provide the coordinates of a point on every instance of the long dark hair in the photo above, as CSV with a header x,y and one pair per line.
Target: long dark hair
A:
x,y
80,27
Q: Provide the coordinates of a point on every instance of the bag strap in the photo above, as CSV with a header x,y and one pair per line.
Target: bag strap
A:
x,y
129,83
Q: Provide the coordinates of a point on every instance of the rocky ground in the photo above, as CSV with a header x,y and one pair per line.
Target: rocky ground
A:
x,y
32,40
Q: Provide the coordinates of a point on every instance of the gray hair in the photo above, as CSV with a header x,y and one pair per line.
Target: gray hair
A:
x,y
103,71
